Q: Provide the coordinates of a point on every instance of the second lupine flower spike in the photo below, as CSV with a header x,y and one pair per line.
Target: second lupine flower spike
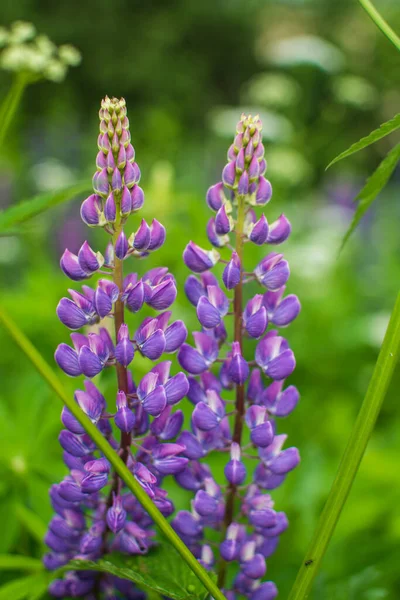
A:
x,y
229,312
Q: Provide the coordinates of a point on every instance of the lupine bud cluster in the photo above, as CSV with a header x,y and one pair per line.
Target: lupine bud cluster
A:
x,y
242,508
94,513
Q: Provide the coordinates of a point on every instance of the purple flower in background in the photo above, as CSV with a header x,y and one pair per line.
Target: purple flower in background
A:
x,y
94,514
231,315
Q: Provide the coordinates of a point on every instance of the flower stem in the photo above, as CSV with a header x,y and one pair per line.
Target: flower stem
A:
x,y
104,446
240,397
353,454
380,22
11,103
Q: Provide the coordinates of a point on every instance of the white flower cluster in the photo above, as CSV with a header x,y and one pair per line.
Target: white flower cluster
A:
x,y
21,49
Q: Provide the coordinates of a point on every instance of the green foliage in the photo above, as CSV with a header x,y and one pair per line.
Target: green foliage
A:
x,y
373,137
162,570
21,212
10,562
373,187
32,587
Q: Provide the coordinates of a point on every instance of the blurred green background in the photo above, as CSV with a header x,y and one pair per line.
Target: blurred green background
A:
x,y
321,76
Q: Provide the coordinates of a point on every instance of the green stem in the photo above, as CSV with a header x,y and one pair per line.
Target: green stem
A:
x,y
240,397
11,103
352,457
380,22
102,444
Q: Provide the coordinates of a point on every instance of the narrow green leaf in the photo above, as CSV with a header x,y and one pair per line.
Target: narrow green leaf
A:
x,y
161,570
31,521
18,213
373,137
102,444
11,562
25,587
380,22
374,185
11,103
353,454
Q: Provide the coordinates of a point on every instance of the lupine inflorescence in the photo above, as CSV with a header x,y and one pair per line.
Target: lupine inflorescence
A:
x,y
94,512
243,508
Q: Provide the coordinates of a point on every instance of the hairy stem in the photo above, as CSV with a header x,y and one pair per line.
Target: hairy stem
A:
x,y
240,398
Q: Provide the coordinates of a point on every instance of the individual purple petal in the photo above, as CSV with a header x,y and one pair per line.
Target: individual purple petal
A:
x,y
70,265
273,356
229,175
238,368
219,241
155,402
194,290
259,232
102,303
278,402
266,591
199,260
175,335
286,461
110,209
193,448
71,315
255,317
215,196
157,235
204,418
100,183
222,221
243,184
116,181
91,211
232,272
89,260
286,311
208,315
264,191
135,296
154,345
131,174
279,231
176,388
74,444
141,239
121,246
125,419
163,295
124,352
126,202
235,471
89,362
272,272
116,515
67,360
137,198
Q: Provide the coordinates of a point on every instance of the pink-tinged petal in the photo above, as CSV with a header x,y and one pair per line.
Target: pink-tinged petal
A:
x,y
126,202
191,360
91,402
162,369
279,230
67,360
282,366
100,183
175,335
229,174
110,209
286,461
110,288
218,299
147,384
243,184
176,388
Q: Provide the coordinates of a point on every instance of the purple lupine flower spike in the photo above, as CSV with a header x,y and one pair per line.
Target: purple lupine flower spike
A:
x,y
261,395
94,514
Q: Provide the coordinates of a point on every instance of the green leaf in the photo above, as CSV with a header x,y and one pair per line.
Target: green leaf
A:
x,y
374,185
162,570
352,457
104,446
11,562
33,586
31,522
373,137
18,213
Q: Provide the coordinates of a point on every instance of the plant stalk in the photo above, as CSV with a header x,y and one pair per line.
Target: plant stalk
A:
x,y
380,22
353,454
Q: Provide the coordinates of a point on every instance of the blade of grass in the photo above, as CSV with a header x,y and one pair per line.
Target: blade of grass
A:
x,y
353,454
11,103
102,444
380,22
